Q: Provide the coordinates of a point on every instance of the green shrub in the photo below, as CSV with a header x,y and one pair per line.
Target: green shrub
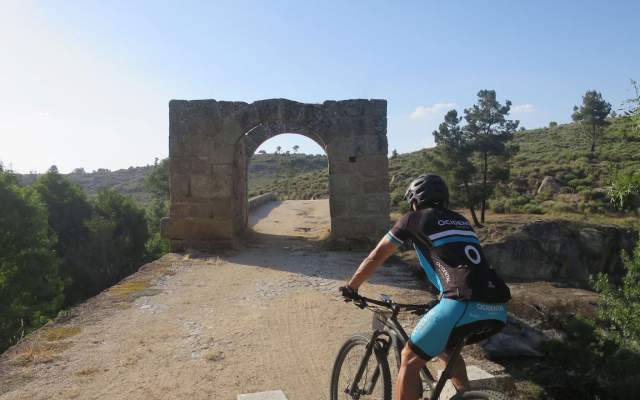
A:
x,y
600,355
532,209
625,191
31,290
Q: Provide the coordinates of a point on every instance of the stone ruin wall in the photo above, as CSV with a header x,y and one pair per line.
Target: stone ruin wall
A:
x,y
210,146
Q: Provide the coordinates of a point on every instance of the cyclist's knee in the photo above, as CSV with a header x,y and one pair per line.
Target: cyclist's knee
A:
x,y
410,359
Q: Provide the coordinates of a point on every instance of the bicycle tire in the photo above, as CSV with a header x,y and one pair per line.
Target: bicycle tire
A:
x,y
480,395
355,341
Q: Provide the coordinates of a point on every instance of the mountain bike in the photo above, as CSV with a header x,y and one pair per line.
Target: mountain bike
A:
x,y
361,369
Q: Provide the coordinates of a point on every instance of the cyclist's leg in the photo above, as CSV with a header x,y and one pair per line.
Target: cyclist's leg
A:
x,y
408,375
428,339
458,376
475,312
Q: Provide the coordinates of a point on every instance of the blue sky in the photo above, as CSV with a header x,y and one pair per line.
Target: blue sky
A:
x,y
87,84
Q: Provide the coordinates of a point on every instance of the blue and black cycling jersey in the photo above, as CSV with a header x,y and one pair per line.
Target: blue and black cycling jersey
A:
x,y
450,254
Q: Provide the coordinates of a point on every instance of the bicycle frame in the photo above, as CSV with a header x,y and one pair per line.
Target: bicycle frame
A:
x,y
388,333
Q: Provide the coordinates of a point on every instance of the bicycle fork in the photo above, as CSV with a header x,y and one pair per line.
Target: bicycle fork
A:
x,y
354,390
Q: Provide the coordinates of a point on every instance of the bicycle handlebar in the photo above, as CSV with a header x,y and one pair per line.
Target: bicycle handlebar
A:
x,y
362,302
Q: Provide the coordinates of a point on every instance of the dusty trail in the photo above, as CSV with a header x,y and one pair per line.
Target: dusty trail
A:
x,y
265,317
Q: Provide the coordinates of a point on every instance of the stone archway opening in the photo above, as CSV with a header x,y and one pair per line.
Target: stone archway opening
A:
x,y
288,188
211,141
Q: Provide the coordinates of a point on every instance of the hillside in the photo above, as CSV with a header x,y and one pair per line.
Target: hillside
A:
x,y
128,181
556,151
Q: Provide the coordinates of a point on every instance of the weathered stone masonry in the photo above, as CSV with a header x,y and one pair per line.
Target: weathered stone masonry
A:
x,y
211,143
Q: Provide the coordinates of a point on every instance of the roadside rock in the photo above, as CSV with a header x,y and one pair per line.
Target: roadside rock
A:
x,y
518,339
560,251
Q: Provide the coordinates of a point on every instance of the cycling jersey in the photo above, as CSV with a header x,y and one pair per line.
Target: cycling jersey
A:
x,y
450,254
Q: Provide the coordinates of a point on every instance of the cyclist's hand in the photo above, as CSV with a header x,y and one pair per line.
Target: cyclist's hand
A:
x,y
349,293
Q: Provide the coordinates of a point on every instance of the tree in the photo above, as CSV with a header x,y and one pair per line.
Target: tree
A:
x,y
592,116
262,152
453,154
31,291
156,182
278,149
489,131
394,153
296,148
68,209
118,234
634,106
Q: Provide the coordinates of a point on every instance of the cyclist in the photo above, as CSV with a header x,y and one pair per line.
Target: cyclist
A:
x,y
470,292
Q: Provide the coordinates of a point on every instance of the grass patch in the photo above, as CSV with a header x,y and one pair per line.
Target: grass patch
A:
x,y
87,372
126,288
39,352
59,333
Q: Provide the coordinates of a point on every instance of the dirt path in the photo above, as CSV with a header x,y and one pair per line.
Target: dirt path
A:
x,y
265,317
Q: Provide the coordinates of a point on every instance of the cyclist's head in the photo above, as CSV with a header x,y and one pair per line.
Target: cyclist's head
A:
x,y
428,190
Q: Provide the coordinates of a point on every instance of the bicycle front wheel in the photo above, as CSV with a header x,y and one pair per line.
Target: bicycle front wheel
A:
x,y
375,382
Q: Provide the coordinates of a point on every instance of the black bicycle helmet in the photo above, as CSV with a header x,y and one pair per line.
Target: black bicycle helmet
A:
x,y
428,190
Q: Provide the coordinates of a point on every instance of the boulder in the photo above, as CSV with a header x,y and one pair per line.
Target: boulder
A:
x,y
549,185
560,251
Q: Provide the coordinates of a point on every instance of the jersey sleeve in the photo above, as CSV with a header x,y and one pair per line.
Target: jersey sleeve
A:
x,y
399,233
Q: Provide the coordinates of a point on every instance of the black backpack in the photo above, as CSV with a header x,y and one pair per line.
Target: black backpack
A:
x,y
467,283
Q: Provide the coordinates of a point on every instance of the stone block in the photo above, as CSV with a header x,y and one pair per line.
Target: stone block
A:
x,y
374,166
223,154
199,210
270,395
379,107
341,167
376,184
339,206
479,379
199,228
345,184
179,186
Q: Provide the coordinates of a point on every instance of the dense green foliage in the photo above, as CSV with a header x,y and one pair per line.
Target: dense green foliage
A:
x,y
599,357
31,290
58,248
68,208
118,234
157,185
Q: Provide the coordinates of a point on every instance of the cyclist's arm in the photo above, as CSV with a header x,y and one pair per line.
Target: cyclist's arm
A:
x,y
375,259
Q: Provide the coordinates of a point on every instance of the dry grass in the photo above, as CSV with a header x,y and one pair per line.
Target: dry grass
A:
x,y
37,352
126,288
59,333
87,372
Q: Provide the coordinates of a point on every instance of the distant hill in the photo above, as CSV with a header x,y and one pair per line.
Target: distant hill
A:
x,y
556,151
128,181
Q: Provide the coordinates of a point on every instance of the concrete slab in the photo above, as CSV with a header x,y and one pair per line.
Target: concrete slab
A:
x,y
479,379
270,395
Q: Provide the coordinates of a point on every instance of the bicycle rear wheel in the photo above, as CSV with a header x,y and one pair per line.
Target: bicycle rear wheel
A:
x,y
375,383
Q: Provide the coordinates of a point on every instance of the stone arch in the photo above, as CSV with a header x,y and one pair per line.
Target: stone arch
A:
x,y
211,142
